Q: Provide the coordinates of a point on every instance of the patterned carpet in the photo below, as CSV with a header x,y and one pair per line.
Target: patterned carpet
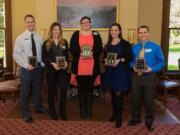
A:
x,y
48,127
15,126
7,107
173,105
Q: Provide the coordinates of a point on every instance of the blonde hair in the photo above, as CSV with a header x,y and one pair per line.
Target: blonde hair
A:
x,y
61,40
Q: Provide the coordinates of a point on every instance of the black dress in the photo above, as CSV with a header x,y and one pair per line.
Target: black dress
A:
x,y
119,78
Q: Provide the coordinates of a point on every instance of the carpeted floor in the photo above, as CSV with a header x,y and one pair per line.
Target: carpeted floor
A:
x,y
12,124
101,112
173,105
7,107
48,127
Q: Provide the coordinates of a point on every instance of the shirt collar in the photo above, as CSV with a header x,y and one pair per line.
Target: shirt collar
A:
x,y
29,32
144,43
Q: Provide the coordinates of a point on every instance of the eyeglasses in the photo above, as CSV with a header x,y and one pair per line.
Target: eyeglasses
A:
x,y
85,22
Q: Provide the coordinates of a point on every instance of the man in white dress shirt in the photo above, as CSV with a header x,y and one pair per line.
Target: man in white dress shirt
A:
x,y
28,44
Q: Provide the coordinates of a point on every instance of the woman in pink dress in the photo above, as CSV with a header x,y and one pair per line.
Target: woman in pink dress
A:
x,y
86,47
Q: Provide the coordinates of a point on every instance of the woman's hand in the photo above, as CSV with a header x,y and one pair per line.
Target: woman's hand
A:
x,y
117,62
86,57
55,66
66,64
122,60
105,62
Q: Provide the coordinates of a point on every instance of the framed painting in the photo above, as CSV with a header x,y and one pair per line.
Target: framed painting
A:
x,y
103,13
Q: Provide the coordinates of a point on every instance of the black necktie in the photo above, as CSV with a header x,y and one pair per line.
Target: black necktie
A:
x,y
33,45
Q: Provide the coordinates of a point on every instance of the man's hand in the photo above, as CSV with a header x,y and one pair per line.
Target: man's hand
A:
x,y
30,67
148,70
135,69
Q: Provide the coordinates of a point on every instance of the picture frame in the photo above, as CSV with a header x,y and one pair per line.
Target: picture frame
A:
x,y
140,64
102,13
61,61
86,51
111,59
32,60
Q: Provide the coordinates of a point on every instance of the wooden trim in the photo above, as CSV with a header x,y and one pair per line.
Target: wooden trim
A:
x,y
165,36
165,29
174,28
8,36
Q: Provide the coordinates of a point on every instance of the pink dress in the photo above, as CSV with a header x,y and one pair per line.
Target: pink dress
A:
x,y
86,65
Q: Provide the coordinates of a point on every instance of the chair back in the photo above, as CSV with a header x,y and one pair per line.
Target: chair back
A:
x,y
16,71
1,66
1,63
161,75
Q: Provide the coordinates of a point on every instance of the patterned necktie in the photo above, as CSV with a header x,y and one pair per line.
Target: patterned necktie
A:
x,y
141,55
33,45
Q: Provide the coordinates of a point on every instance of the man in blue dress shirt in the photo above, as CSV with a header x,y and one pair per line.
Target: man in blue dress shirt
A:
x,y
143,83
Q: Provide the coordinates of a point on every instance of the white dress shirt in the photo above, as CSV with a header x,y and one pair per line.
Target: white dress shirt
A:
x,y
23,48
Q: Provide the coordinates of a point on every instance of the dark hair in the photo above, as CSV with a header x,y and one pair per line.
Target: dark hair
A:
x,y
110,37
144,27
85,17
29,15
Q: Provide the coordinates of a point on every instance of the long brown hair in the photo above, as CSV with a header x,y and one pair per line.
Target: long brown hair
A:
x,y
50,41
110,37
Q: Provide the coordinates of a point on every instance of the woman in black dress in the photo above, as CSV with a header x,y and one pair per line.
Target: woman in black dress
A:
x,y
117,76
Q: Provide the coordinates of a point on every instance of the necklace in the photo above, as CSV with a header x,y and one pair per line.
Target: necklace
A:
x,y
115,41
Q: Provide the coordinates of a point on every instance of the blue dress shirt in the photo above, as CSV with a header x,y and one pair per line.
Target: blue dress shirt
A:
x,y
153,55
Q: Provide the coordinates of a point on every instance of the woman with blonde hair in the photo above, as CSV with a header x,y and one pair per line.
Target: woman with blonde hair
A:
x,y
55,49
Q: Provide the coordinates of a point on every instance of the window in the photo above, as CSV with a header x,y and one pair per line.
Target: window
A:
x,y
6,46
2,31
174,35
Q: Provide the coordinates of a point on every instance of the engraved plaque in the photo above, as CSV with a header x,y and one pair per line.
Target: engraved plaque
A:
x,y
86,51
111,59
32,60
61,62
140,64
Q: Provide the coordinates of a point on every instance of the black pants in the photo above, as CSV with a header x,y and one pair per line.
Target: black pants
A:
x,y
117,104
85,93
143,87
54,79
